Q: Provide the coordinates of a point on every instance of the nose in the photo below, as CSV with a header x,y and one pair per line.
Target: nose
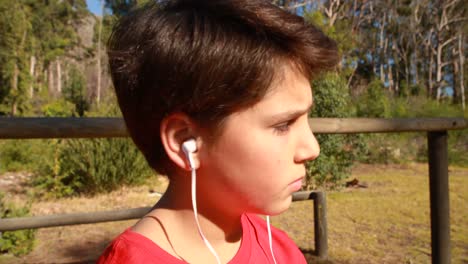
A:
x,y
307,146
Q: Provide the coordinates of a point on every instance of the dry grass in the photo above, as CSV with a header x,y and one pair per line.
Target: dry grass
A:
x,y
388,222
385,223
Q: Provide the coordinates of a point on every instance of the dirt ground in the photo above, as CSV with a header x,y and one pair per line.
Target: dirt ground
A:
x,y
84,243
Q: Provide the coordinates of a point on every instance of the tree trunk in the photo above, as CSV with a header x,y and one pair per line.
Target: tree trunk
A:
x,y
98,88
332,11
32,73
50,79
441,64
456,73
430,69
14,88
407,74
415,67
461,58
59,77
391,83
16,72
439,70
383,46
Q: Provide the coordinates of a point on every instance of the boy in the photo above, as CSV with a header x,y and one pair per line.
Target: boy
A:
x,y
230,77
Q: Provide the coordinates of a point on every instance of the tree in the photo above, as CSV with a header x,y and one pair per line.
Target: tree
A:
x,y
122,7
98,59
74,91
338,152
15,29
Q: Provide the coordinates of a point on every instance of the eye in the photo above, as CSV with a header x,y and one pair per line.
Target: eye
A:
x,y
283,127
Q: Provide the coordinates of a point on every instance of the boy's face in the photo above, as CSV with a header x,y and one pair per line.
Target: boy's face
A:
x,y
258,160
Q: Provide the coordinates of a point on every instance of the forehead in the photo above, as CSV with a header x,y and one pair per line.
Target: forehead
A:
x,y
290,91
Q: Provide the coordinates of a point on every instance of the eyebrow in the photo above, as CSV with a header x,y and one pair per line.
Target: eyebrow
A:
x,y
287,115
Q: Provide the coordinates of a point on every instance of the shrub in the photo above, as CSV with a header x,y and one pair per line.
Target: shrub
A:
x,y
403,147
457,148
91,166
338,152
21,155
74,91
399,107
18,242
374,102
386,149
58,108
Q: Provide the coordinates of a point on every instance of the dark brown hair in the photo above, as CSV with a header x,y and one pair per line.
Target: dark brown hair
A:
x,y
207,59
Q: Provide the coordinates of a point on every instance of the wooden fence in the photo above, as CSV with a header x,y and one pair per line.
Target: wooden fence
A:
x,y
436,128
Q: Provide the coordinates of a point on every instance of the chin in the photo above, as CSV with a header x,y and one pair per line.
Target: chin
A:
x,y
278,207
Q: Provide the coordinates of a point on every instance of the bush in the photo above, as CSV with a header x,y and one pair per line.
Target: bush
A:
x,y
58,108
403,147
21,155
74,91
91,166
390,148
374,102
458,147
15,242
338,152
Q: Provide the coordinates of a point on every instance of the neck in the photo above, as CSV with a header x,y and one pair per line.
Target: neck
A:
x,y
218,224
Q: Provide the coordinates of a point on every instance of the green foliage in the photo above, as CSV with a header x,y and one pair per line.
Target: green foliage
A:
x,y
14,155
407,147
340,31
59,108
15,242
374,102
338,152
458,147
21,155
40,31
122,7
432,108
14,44
74,91
90,166
390,148
107,108
56,34
398,107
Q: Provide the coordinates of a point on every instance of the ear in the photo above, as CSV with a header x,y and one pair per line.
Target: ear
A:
x,y
174,130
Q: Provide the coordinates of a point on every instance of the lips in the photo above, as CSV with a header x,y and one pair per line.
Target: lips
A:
x,y
296,184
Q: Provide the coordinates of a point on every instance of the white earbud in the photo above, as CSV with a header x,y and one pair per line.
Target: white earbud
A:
x,y
189,147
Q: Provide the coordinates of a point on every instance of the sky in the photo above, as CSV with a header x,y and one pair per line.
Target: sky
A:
x,y
94,6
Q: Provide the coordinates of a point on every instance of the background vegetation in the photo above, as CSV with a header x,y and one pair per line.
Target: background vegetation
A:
x,y
400,59
15,242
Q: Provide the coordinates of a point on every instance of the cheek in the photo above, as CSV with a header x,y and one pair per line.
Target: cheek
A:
x,y
262,163
258,151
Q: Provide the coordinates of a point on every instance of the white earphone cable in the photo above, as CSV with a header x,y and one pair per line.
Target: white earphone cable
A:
x,y
195,212
270,240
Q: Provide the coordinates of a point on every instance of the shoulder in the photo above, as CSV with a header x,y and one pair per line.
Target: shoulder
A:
x,y
131,247
284,248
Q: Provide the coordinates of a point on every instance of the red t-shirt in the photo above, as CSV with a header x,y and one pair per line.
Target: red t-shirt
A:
x,y
131,247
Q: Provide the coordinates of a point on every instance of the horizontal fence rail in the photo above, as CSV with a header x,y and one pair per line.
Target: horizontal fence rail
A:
x,y
436,128
22,128
11,224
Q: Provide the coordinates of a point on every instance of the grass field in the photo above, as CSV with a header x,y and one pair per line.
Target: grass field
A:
x,y
388,222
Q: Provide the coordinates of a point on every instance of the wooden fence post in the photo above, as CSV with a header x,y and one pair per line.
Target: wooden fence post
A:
x,y
439,196
320,225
